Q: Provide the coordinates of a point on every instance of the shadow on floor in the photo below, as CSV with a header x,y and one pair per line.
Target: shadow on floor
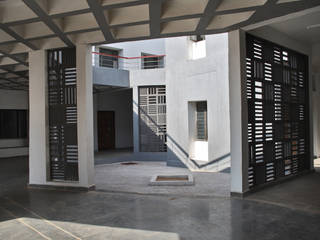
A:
x,y
99,215
301,193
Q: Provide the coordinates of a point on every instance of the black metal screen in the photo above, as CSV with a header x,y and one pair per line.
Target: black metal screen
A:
x,y
277,94
152,119
62,94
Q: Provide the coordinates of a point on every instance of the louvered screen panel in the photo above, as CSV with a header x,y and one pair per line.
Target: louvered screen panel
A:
x,y
152,119
62,101
278,130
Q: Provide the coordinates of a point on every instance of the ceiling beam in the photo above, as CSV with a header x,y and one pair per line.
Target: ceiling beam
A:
x,y
17,37
15,58
45,18
155,11
97,11
13,82
208,15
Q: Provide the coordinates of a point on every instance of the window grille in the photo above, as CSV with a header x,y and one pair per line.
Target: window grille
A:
x,y
108,61
13,123
152,62
201,111
152,119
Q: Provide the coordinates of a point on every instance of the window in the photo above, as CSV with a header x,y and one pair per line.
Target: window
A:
x,y
198,47
108,61
150,62
201,118
13,124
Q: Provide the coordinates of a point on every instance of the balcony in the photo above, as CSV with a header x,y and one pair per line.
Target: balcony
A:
x,y
113,70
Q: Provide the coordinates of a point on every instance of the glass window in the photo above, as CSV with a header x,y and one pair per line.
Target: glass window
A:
x,y
201,111
13,124
109,61
150,62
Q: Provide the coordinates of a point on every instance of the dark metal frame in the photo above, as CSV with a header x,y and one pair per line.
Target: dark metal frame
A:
x,y
62,101
152,119
278,111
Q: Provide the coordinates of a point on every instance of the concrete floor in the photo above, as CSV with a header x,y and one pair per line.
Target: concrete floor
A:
x,y
135,178
47,214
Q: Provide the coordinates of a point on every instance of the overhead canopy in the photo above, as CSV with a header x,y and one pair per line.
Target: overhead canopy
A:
x,y
27,25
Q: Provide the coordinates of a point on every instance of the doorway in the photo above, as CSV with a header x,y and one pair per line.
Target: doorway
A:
x,y
106,130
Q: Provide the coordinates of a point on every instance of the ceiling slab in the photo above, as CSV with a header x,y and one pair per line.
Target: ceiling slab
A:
x,y
28,25
227,20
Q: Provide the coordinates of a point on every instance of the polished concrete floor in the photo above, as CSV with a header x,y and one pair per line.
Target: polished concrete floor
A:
x,y
47,214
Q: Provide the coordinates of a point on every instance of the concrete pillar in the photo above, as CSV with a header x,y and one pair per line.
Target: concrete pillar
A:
x,y
135,122
85,116
38,121
38,98
238,112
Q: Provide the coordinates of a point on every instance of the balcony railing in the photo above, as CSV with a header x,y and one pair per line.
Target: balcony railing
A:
x,y
128,63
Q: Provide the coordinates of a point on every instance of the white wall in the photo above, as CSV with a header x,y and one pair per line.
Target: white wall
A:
x,y
134,49
137,77
144,77
121,103
204,79
10,99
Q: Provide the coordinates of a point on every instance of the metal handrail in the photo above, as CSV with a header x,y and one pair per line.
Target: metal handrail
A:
x,y
128,63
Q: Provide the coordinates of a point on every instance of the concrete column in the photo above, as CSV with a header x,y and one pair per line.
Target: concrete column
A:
x,y
135,122
85,116
38,112
238,112
39,150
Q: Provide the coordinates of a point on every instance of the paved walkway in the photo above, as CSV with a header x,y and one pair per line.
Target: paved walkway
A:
x,y
135,179
47,214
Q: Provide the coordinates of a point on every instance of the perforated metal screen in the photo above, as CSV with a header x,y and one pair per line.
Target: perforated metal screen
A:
x,y
152,119
62,101
277,94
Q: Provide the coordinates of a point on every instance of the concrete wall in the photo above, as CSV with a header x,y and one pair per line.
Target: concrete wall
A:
x,y
204,79
145,77
137,77
110,77
275,36
10,99
121,103
187,80
135,49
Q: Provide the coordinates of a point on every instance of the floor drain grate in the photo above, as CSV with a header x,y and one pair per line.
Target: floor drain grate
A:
x,y
167,178
172,180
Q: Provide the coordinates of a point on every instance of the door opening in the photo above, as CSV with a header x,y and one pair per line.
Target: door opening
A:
x,y
106,130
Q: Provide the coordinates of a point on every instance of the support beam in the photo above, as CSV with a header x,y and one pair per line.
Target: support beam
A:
x,y
44,17
155,10
238,113
13,82
12,56
17,37
208,14
100,18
